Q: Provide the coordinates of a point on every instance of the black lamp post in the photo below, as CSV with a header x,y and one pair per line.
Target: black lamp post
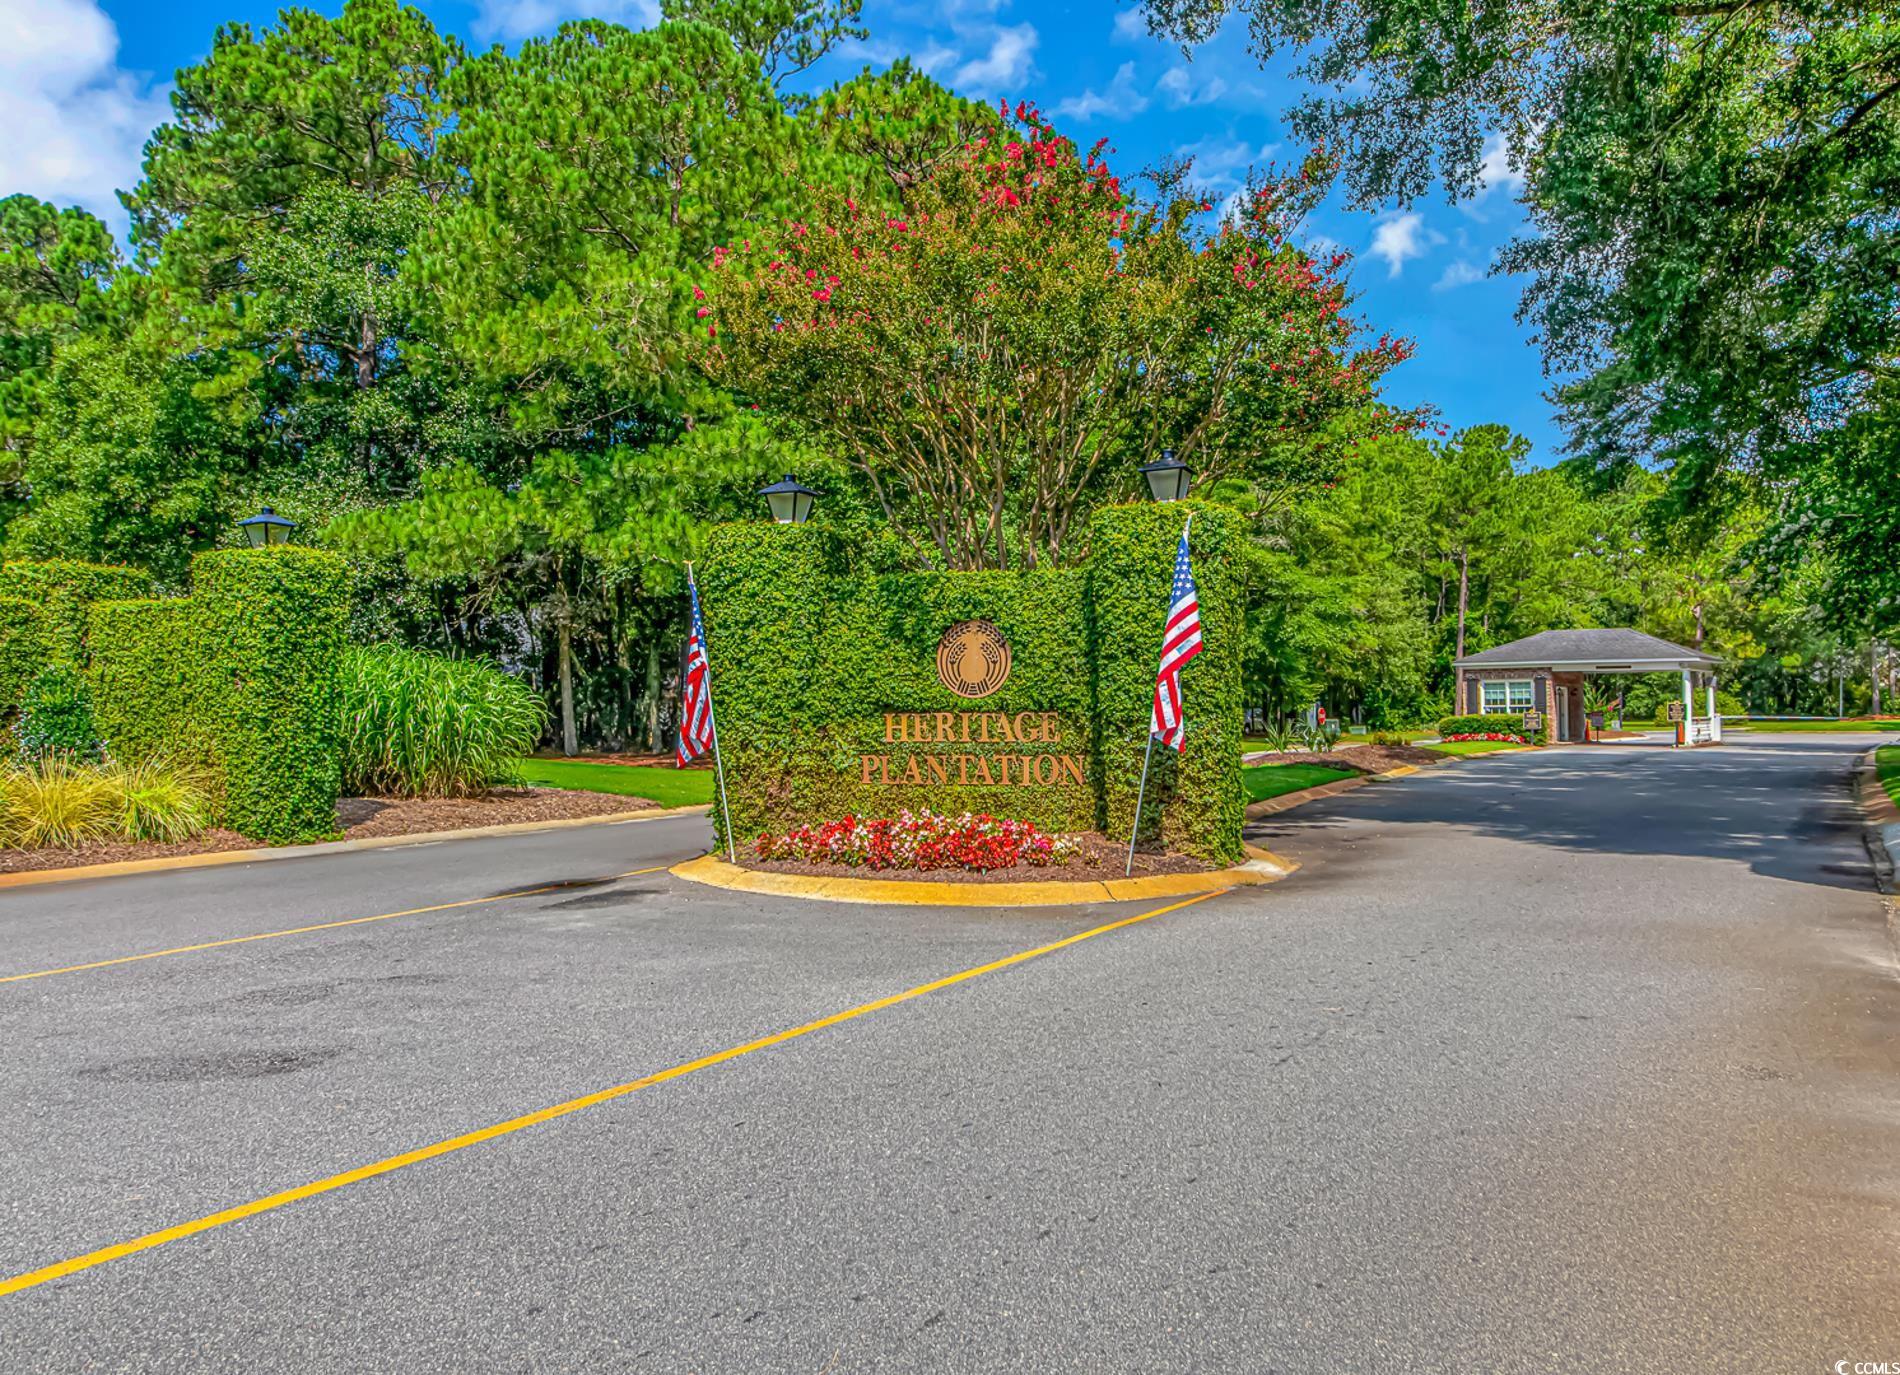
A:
x,y
1167,477
266,527
790,501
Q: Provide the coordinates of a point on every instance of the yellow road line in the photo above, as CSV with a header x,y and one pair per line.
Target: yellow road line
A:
x,y
535,1119
305,930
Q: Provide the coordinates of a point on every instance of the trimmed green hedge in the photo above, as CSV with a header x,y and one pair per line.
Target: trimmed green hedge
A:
x,y
1196,801
23,648
270,624
66,589
812,642
1501,723
241,676
145,682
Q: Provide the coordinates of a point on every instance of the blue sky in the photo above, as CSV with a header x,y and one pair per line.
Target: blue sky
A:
x,y
82,82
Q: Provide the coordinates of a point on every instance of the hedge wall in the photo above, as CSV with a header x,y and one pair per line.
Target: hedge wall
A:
x,y
66,589
1196,801
23,647
813,643
241,676
144,673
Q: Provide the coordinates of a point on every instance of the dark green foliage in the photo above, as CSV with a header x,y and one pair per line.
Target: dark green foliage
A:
x,y
271,625
23,647
56,717
426,725
1504,723
813,641
242,677
1195,800
65,588
146,675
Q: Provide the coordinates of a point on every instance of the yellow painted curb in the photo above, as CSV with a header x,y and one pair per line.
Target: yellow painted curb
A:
x,y
28,877
1261,866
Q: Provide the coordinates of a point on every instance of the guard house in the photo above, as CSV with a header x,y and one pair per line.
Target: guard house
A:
x,y
1545,673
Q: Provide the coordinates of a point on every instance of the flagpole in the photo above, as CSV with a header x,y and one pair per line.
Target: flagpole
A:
x,y
1148,754
1142,793
712,719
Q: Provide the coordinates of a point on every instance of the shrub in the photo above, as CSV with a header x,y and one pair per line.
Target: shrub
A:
x,y
1497,723
56,717
58,802
1389,737
424,725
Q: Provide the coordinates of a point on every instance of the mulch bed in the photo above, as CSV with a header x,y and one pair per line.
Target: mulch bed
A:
x,y
357,818
1364,758
1101,859
390,816
640,761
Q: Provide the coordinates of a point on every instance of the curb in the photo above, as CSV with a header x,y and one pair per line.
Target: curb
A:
x,y
29,877
1883,821
1262,866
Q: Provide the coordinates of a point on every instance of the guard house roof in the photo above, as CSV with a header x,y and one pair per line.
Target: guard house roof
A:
x,y
1591,651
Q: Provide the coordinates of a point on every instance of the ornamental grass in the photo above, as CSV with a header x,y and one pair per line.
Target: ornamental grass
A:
x,y
61,802
920,840
417,724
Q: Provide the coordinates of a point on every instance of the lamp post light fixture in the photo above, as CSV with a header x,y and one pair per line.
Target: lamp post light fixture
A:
x,y
266,527
1167,477
790,501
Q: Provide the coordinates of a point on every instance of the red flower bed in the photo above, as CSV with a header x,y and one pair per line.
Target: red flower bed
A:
x,y
919,840
1490,735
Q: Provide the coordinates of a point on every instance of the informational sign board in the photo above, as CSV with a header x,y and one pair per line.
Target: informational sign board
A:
x,y
1675,711
1533,721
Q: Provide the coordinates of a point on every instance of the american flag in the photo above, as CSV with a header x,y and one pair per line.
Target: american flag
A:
x,y
696,714
1180,642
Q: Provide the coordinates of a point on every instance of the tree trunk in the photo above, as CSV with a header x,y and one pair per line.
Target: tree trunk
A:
x,y
1464,595
1873,666
1696,610
653,696
564,634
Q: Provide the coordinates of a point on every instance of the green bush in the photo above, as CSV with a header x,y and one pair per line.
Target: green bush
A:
x,y
65,589
56,717
1507,723
424,725
268,626
146,675
23,647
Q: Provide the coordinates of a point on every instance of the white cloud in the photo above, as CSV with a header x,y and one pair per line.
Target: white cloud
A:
x,y
1005,67
76,124
1457,273
933,58
1178,89
1400,238
1119,101
1131,26
1496,170
513,20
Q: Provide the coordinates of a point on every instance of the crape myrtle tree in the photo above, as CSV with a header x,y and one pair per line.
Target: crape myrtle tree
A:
x,y
1006,345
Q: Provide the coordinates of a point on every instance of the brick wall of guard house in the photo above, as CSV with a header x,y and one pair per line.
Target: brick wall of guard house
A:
x,y
1544,683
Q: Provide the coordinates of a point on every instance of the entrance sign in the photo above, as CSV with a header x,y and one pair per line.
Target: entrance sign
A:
x,y
973,659
855,685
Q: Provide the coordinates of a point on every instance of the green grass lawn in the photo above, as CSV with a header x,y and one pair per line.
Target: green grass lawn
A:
x,y
1887,763
1473,746
1885,723
668,787
1271,780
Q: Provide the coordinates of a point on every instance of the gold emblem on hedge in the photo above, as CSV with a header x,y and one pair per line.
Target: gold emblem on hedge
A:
x,y
973,659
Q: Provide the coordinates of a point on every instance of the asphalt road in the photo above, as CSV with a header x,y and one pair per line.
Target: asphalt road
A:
x,y
1576,1060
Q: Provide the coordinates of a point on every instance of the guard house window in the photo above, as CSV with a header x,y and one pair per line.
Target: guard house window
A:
x,y
1509,696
